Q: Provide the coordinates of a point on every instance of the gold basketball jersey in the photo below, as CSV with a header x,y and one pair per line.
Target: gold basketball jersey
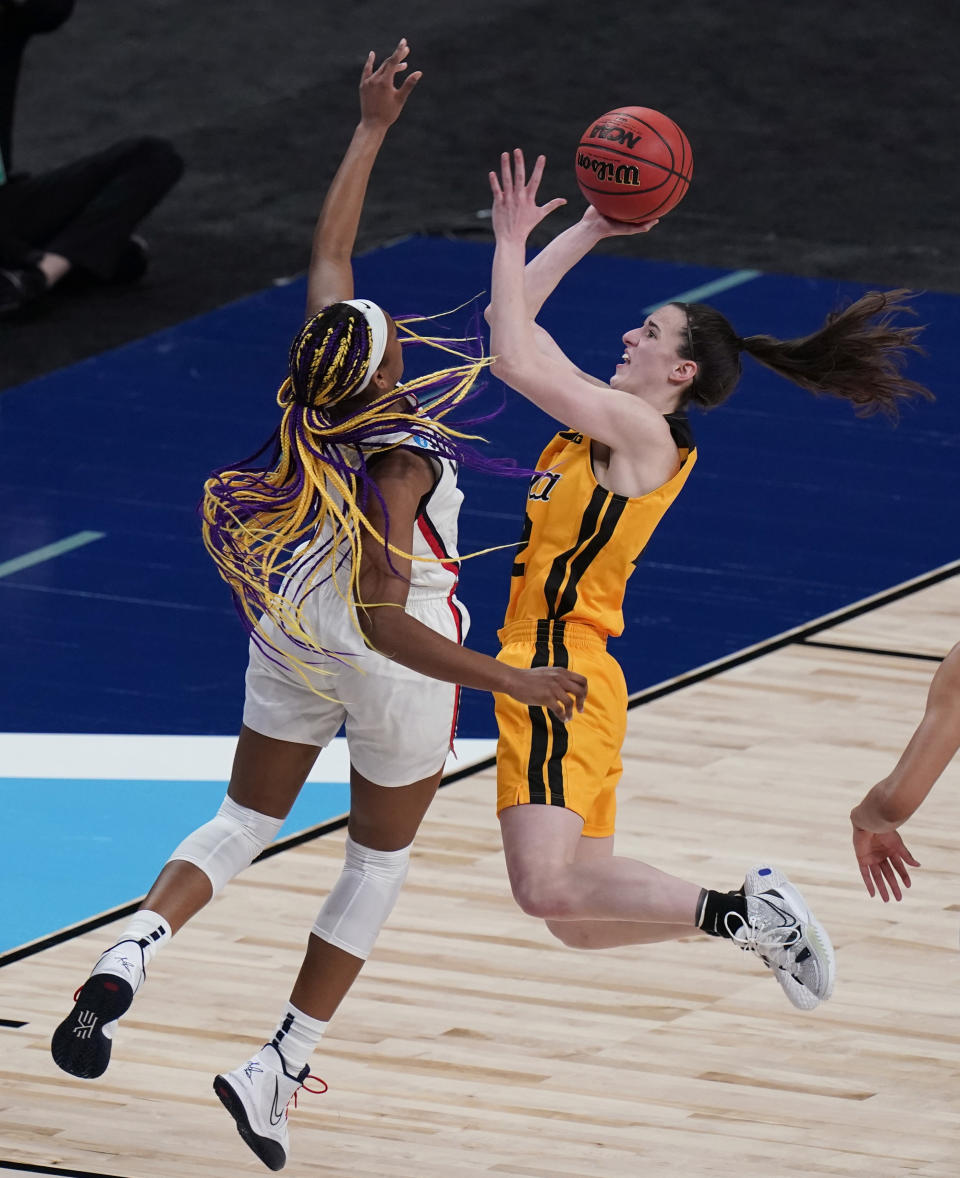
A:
x,y
581,542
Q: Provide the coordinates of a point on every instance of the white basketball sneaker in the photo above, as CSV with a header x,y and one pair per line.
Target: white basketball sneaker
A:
x,y
787,937
82,1043
256,1096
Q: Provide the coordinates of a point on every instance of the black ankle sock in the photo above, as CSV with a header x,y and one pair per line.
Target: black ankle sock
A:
x,y
714,907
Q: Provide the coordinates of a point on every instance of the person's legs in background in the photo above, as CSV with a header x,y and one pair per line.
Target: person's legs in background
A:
x,y
79,218
82,217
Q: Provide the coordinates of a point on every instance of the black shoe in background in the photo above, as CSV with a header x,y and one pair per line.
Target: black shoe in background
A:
x,y
20,288
133,261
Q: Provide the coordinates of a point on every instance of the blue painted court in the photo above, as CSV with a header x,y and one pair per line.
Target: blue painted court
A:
x,y
116,622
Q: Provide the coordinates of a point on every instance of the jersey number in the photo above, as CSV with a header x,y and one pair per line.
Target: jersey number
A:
x,y
542,484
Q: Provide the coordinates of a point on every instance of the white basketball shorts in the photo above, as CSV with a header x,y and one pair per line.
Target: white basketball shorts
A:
x,y
399,723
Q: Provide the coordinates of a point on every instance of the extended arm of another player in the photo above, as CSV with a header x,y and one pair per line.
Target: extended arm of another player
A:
x,y
330,276
892,801
404,479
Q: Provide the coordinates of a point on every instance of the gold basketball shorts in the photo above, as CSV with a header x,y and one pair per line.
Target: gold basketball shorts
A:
x,y
541,760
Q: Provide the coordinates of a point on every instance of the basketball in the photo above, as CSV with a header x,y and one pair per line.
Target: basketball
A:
x,y
634,164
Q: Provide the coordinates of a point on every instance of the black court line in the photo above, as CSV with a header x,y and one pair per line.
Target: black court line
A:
x,y
30,1168
11,1022
797,636
893,654
67,934
95,922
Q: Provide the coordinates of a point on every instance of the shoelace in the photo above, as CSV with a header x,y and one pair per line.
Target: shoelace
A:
x,y
772,944
312,1091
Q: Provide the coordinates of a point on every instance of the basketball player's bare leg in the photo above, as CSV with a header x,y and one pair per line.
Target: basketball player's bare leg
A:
x,y
576,890
266,778
608,934
554,877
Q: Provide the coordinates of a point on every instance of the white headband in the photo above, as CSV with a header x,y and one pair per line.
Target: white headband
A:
x,y
378,330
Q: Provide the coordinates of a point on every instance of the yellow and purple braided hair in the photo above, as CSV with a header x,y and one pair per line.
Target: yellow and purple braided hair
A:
x,y
261,516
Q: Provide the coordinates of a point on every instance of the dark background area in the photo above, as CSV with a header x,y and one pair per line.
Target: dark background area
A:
x,y
824,135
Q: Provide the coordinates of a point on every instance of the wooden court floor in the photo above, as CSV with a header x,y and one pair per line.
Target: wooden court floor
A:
x,y
474,1044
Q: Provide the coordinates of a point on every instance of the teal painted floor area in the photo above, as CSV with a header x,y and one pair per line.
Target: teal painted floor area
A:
x,y
72,848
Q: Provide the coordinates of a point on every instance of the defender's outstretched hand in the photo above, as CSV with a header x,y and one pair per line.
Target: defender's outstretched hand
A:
x,y
330,277
381,99
515,209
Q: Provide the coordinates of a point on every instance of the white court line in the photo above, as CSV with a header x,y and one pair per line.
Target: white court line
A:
x,y
48,552
697,293
95,757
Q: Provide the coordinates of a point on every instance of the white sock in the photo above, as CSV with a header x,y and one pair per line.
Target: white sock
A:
x,y
127,959
296,1038
149,930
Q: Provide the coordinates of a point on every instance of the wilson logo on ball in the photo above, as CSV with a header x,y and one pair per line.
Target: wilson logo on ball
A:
x,y
634,164
604,170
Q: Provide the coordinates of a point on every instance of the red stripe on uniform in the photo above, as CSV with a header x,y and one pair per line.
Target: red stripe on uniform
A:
x,y
435,544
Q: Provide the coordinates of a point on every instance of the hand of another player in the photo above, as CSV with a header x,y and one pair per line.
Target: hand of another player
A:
x,y
555,688
515,209
381,99
882,857
606,227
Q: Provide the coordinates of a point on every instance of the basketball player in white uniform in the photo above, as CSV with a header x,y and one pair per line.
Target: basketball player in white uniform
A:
x,y
385,633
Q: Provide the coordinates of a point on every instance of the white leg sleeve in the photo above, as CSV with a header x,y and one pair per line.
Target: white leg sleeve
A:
x,y
228,843
362,898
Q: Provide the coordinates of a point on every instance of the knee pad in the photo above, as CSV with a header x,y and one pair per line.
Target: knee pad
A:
x,y
228,843
362,898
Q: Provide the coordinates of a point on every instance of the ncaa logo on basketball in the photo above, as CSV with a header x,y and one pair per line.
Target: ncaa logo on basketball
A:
x,y
615,134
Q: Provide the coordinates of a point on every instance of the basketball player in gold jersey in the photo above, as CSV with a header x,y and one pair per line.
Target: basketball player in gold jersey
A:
x,y
605,483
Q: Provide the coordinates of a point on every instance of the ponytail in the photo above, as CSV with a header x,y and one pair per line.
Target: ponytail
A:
x,y
859,354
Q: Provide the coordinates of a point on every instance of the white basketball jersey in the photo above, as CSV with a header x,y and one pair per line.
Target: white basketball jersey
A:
x,y
322,590
436,560
435,568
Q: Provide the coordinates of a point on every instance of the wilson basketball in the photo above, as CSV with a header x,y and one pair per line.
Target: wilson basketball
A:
x,y
634,164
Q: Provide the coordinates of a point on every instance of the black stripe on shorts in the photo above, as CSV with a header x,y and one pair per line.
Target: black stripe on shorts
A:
x,y
559,729
539,733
